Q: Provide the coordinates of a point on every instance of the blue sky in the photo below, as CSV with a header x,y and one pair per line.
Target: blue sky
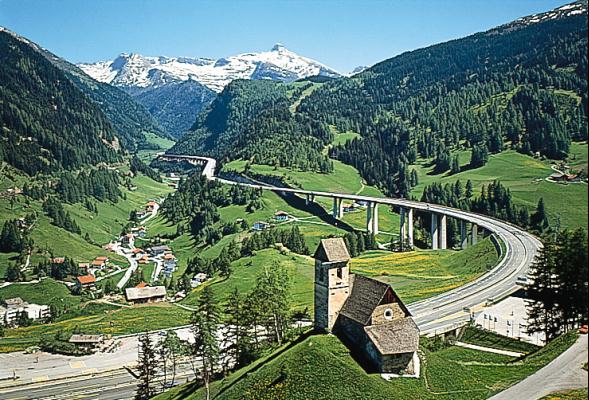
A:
x,y
342,34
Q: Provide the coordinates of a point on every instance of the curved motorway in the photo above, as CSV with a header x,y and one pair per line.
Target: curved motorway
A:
x,y
444,311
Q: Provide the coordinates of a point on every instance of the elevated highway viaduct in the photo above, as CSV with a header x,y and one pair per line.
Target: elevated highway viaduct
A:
x,y
448,310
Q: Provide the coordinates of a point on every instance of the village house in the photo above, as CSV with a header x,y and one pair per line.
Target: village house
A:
x,y
86,282
140,231
158,250
349,208
365,313
281,216
150,206
137,252
148,294
83,268
127,239
170,264
86,342
10,313
260,226
143,259
198,279
58,260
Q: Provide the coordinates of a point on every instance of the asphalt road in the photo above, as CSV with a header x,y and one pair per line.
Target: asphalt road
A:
x,y
563,373
441,312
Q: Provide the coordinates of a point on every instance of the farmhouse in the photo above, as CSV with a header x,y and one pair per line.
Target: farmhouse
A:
x,y
365,313
86,342
148,294
127,239
281,216
157,250
260,226
86,282
99,262
149,207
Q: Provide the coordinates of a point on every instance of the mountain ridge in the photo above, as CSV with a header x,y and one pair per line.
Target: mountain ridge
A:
x,y
137,71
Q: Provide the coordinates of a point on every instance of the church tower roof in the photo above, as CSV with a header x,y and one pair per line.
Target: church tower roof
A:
x,y
332,250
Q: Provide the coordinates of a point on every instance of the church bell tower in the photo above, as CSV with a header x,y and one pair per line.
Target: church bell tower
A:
x,y
332,282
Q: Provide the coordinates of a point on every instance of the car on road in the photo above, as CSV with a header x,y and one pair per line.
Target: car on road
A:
x,y
521,280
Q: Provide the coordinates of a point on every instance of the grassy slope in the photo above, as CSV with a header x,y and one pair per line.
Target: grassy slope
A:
x,y
116,322
47,291
102,228
484,338
162,143
420,274
112,217
578,394
321,368
524,176
414,275
246,270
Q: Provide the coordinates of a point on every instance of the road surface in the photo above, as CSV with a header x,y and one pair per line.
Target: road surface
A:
x,y
563,373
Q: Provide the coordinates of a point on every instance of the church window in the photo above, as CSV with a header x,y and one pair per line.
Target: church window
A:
x,y
388,314
340,273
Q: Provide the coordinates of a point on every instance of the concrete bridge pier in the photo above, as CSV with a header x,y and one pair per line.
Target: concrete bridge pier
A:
x,y
463,235
309,198
474,234
372,218
403,232
338,208
434,231
410,227
442,242
407,226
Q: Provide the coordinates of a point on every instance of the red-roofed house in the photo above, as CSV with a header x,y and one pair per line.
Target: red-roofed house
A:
x,y
86,282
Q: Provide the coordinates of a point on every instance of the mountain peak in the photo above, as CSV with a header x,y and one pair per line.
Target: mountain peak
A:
x,y
278,47
135,70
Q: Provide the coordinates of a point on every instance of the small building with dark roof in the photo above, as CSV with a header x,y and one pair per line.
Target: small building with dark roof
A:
x,y
365,313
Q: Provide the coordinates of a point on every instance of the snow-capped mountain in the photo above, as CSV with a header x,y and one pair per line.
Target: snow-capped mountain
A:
x,y
578,7
137,71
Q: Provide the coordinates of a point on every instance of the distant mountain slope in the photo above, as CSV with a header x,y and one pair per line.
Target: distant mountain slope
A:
x,y
521,85
252,120
157,82
136,71
47,122
128,117
176,105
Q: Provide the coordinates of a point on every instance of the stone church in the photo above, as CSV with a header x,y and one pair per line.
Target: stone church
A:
x,y
365,313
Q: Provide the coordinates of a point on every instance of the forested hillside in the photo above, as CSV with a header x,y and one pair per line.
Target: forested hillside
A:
x,y
522,86
129,118
176,104
47,123
252,120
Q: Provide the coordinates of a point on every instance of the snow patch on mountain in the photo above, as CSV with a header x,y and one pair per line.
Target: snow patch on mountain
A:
x,y
134,70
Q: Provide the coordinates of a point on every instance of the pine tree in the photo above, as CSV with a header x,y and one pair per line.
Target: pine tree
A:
x,y
147,369
455,165
206,349
469,190
543,315
539,219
